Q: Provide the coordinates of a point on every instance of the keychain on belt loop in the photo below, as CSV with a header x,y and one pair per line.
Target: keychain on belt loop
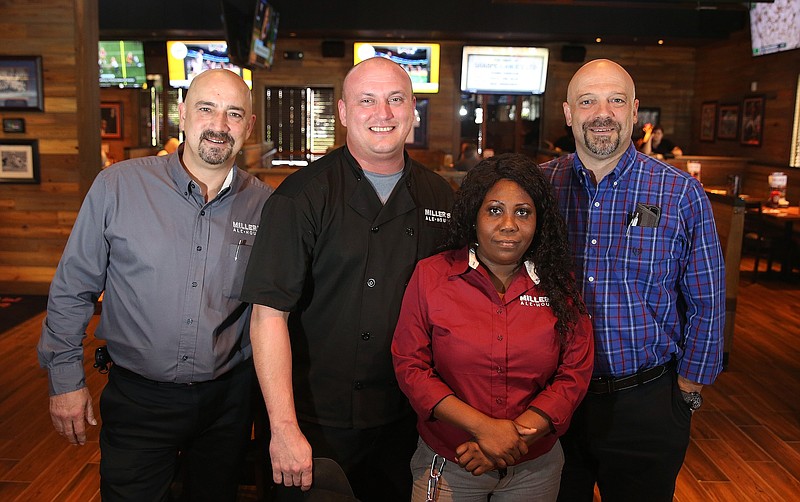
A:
x,y
436,473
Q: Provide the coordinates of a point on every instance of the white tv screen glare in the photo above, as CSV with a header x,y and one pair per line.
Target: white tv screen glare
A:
x,y
504,70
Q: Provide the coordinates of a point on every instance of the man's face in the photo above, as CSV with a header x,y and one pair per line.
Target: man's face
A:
x,y
216,118
378,110
601,109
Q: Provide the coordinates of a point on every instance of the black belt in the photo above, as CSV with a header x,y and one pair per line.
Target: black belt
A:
x,y
606,385
131,375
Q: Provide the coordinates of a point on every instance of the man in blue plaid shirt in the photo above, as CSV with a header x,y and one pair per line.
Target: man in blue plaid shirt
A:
x,y
647,253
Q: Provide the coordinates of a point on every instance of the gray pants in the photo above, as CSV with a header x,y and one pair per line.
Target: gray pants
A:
x,y
535,480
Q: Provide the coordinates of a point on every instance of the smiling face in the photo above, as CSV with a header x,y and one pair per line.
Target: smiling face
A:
x,y
377,107
601,108
217,118
505,225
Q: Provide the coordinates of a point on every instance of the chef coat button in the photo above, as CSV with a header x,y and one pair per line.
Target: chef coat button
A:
x,y
374,230
358,386
371,282
409,231
365,335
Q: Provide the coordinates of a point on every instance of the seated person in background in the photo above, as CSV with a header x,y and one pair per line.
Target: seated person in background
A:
x,y
565,143
493,393
469,158
654,143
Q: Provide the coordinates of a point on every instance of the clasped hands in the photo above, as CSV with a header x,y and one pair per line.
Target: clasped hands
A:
x,y
496,445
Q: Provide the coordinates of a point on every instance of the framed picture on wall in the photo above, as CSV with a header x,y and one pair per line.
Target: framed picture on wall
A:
x,y
752,121
20,161
708,120
418,136
728,122
111,120
649,115
21,83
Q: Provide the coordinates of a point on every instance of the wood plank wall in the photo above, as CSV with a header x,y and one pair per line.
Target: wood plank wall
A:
x,y
35,220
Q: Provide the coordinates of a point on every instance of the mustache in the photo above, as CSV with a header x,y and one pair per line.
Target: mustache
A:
x,y
604,122
217,136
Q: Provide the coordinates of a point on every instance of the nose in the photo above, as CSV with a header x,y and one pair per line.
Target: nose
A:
x,y
220,121
509,223
385,110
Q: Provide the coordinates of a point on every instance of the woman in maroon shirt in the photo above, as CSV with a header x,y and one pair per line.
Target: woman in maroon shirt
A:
x,y
493,346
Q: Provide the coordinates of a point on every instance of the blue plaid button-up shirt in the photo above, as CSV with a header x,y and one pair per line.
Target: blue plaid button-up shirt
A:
x,y
654,292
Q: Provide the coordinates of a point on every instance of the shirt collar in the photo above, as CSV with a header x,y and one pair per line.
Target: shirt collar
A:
x,y
182,179
465,260
623,167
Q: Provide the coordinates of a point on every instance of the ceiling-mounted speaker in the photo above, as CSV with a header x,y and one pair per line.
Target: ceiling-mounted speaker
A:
x,y
332,49
573,53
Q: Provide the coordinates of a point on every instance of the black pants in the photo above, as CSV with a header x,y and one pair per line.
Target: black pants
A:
x,y
377,461
148,425
631,443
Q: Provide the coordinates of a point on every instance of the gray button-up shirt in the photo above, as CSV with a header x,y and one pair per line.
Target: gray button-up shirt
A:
x,y
171,266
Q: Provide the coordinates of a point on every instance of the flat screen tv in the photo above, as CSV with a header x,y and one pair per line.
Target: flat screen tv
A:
x,y
504,70
420,60
774,27
189,58
121,63
265,34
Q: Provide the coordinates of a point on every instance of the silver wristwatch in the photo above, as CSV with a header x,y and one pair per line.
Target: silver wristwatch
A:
x,y
693,399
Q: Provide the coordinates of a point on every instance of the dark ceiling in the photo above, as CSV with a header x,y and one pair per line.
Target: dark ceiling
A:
x,y
576,21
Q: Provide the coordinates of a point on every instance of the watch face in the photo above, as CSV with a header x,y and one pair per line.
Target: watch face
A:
x,y
693,399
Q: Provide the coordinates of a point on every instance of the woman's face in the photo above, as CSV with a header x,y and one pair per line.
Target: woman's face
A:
x,y
505,225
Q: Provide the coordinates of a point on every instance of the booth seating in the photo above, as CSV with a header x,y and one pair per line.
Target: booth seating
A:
x,y
729,218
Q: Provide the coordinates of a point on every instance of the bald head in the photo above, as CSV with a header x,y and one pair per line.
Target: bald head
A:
x,y
220,78
601,108
600,70
376,67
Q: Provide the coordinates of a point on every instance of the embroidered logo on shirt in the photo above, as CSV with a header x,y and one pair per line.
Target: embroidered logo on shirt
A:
x,y
244,228
437,216
534,301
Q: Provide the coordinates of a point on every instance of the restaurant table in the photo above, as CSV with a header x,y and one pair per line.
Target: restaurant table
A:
x,y
786,216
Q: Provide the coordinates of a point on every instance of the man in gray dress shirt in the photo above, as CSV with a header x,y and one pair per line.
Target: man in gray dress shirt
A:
x,y
167,239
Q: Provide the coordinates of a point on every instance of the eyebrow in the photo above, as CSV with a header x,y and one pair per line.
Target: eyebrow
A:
x,y
213,104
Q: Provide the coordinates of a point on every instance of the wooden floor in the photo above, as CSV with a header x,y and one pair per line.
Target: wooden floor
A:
x,y
745,440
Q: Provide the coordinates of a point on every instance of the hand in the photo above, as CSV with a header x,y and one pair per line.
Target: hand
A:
x,y
687,385
500,442
68,412
526,433
470,456
291,457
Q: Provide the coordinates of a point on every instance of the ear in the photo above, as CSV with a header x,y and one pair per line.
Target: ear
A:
x,y
636,111
567,113
181,116
342,113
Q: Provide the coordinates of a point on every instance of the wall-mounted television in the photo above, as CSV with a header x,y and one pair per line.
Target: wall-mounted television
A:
x,y
265,35
504,70
121,63
774,27
189,58
420,60
252,34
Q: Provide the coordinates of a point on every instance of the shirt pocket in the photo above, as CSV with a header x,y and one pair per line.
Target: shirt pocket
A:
x,y
233,269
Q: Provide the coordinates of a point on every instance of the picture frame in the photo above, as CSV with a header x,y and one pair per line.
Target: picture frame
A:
x,y
752,126
708,121
418,136
111,120
14,125
21,87
728,122
20,161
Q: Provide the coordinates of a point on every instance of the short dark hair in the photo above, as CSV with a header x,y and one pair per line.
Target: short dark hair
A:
x,y
549,250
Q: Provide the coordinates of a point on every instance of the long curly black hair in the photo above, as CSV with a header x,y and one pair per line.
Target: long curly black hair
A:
x,y
549,250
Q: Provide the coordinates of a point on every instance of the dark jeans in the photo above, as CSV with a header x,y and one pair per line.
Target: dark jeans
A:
x,y
631,443
377,461
148,425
